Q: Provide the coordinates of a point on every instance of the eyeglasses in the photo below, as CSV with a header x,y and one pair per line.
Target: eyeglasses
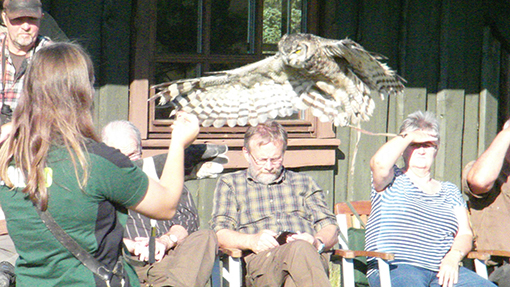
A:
x,y
264,161
135,155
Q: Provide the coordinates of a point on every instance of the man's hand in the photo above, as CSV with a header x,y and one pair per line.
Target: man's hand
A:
x,y
419,136
263,240
140,247
185,129
302,236
179,231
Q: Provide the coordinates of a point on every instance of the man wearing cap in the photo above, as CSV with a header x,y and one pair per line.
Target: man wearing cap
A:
x,y
17,46
22,19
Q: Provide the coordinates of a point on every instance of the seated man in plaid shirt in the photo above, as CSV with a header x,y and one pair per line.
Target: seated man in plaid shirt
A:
x,y
252,207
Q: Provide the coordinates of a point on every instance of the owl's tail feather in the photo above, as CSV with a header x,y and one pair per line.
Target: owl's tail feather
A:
x,y
169,91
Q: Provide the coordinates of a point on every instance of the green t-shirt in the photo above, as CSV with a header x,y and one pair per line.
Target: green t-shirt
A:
x,y
94,217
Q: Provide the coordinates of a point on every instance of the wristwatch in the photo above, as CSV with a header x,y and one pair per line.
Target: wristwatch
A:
x,y
173,238
321,247
170,241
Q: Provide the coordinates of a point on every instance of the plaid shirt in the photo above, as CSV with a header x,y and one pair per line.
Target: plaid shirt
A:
x,y
294,202
13,81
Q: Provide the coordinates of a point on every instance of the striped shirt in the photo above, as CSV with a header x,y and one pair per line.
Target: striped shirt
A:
x,y
186,214
294,202
418,228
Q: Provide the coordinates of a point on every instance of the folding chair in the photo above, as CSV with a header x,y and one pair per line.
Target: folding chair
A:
x,y
350,216
230,271
481,256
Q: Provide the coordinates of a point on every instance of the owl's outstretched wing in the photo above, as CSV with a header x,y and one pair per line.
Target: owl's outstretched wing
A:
x,y
353,74
249,94
367,67
333,78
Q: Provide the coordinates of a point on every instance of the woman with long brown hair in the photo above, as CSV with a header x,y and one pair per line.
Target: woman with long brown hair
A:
x,y
53,161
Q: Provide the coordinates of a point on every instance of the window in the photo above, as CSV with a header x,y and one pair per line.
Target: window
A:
x,y
186,38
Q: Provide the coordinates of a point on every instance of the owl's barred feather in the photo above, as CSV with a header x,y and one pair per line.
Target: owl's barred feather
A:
x,y
334,78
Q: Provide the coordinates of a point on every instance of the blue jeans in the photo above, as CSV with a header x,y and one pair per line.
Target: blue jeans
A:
x,y
404,275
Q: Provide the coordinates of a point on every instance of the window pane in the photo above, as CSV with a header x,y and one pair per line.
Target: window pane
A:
x,y
229,27
176,30
280,17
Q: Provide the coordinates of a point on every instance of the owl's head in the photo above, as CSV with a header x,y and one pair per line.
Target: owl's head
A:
x,y
297,49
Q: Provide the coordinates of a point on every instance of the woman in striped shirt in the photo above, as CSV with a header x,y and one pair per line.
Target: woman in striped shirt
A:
x,y
423,221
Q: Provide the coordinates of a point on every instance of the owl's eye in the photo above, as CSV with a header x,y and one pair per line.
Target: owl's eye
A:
x,y
297,51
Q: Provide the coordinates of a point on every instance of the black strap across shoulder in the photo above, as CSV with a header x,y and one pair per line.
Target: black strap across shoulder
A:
x,y
86,258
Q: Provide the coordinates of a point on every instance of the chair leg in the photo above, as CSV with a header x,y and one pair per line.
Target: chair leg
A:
x,y
348,272
233,273
384,272
216,273
481,268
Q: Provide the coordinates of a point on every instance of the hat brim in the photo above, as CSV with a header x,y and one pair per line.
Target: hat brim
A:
x,y
24,13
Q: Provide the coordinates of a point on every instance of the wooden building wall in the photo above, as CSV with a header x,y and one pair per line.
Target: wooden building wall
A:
x,y
453,52
456,52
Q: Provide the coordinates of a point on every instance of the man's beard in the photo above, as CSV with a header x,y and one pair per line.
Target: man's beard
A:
x,y
24,41
264,177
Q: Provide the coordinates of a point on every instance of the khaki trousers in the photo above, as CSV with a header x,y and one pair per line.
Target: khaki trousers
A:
x,y
189,264
293,264
7,249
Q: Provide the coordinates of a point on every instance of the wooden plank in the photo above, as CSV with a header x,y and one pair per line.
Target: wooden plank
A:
x,y
396,112
414,100
360,152
432,103
293,158
421,45
488,120
238,143
470,131
142,44
459,50
300,152
203,195
431,107
324,179
491,54
342,166
385,38
450,108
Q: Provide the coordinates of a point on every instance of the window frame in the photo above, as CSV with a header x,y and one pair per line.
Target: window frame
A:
x,y
308,135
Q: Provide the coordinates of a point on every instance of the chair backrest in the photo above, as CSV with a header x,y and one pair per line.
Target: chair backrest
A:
x,y
346,218
363,208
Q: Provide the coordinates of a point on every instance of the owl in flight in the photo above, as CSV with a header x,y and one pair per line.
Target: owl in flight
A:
x,y
333,78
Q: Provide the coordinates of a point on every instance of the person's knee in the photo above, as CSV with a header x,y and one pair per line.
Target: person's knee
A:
x,y
207,235
501,275
301,247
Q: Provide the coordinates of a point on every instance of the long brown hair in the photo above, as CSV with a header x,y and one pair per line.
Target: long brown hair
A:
x,y
54,109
